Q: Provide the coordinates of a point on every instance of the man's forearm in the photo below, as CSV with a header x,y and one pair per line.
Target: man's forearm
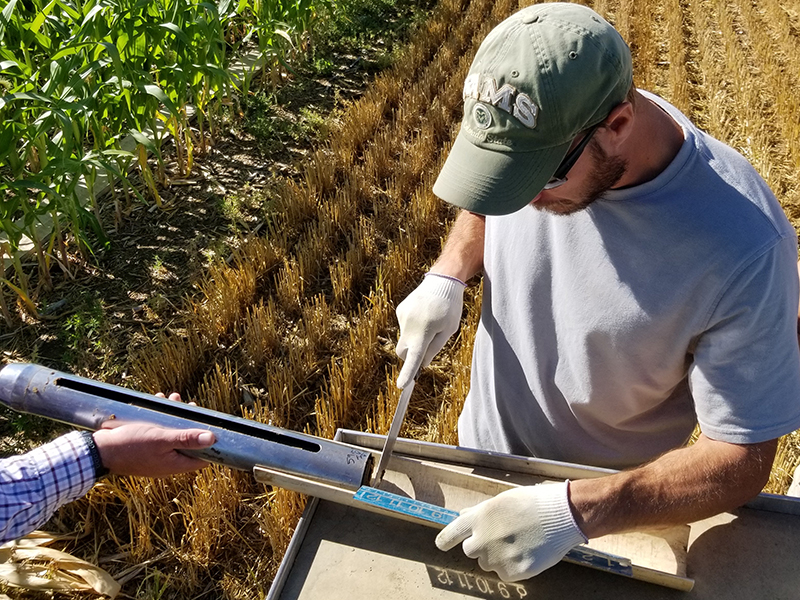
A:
x,y
682,486
462,255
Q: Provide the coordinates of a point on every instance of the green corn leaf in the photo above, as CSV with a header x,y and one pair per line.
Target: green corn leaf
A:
x,y
60,27
7,137
56,78
8,64
115,57
23,96
41,16
176,7
118,153
6,134
214,69
9,205
31,184
69,10
91,219
5,17
44,41
91,14
122,84
94,66
286,65
158,93
214,10
63,167
177,31
77,132
69,50
145,141
122,41
7,54
67,133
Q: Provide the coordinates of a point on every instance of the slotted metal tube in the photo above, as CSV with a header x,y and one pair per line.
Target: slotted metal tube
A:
x,y
241,444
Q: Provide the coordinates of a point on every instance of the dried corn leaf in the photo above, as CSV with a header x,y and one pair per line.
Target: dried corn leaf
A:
x,y
34,538
25,563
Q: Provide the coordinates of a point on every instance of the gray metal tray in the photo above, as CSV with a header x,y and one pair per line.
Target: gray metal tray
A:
x,y
342,553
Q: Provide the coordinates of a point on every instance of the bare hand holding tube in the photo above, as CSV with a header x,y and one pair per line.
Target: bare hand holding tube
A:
x,y
146,450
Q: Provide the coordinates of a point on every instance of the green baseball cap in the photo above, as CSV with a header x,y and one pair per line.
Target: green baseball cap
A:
x,y
538,79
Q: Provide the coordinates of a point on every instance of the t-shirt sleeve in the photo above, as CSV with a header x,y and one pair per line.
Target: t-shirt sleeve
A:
x,y
745,376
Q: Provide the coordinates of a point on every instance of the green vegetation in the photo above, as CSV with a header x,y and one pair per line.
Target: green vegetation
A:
x,y
366,22
274,127
77,78
83,334
20,432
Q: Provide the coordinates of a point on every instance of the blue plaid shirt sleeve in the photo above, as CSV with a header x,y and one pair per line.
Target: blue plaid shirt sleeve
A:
x,y
34,485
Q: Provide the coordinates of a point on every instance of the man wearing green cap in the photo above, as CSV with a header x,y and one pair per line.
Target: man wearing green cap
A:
x,y
639,278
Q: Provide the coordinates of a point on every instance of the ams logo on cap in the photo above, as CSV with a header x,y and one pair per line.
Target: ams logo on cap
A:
x,y
507,98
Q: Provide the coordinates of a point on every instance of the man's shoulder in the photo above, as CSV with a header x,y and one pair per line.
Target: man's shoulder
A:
x,y
725,184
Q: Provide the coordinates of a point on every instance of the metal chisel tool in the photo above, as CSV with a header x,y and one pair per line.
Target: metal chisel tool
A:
x,y
394,430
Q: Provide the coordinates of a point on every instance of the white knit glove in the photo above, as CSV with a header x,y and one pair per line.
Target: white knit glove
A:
x,y
518,533
428,317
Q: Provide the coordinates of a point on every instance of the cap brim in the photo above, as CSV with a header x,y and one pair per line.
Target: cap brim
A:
x,y
491,182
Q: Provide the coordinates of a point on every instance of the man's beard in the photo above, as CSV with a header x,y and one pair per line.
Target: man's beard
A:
x,y
606,171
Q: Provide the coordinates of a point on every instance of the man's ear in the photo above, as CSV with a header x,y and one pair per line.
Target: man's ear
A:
x,y
617,127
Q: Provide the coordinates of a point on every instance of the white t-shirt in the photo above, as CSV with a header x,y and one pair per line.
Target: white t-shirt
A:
x,y
607,334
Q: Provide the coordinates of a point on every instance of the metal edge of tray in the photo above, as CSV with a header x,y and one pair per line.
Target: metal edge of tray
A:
x,y
788,505
287,562
476,458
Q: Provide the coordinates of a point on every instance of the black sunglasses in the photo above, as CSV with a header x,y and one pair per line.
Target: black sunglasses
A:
x,y
560,176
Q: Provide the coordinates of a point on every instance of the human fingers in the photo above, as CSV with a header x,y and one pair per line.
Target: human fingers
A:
x,y
143,449
411,367
189,439
455,533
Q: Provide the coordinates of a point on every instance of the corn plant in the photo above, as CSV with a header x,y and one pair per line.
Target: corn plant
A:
x,y
78,77
281,29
